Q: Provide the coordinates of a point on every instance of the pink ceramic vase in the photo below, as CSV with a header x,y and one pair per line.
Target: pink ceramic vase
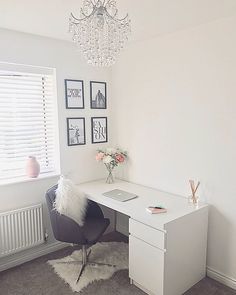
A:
x,y
32,167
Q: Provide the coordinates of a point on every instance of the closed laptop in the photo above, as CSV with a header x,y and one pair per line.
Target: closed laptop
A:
x,y
120,195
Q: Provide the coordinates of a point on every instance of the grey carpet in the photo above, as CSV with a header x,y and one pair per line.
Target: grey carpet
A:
x,y
37,278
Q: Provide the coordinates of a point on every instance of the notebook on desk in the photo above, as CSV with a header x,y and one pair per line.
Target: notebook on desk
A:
x,y
120,195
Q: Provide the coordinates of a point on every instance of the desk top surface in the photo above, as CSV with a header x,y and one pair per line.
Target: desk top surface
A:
x,y
176,206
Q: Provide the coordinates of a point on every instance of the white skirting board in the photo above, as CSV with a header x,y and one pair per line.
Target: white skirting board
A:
x,y
223,279
28,256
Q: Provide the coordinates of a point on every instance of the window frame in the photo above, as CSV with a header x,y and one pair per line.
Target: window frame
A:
x,y
38,70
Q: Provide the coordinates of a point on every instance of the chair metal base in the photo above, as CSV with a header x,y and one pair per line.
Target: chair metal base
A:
x,y
85,261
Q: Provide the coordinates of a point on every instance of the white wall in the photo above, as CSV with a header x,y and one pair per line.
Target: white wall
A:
x,y
174,109
78,162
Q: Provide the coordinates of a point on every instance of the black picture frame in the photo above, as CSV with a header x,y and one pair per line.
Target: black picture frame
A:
x,y
76,133
98,95
99,130
74,100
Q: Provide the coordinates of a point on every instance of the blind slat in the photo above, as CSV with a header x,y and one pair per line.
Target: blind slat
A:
x,y
16,116
25,81
24,96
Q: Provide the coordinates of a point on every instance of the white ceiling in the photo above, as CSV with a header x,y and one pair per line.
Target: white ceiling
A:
x,y
149,17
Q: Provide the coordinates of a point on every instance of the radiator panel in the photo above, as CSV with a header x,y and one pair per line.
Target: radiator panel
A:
x,y
21,229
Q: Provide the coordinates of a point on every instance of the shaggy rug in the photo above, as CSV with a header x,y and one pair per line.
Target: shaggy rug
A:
x,y
114,253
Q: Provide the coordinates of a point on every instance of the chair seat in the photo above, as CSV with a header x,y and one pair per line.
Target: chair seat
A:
x,y
94,228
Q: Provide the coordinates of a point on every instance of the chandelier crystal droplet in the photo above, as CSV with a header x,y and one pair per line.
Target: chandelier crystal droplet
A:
x,y
98,32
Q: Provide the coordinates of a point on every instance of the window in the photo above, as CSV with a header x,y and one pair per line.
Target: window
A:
x,y
27,120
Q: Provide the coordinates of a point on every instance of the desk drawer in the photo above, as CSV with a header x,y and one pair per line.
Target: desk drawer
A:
x,y
146,233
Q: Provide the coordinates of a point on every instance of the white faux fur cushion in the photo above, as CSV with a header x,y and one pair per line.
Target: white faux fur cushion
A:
x,y
70,201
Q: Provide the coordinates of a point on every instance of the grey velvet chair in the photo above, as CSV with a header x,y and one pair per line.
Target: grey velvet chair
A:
x,y
67,230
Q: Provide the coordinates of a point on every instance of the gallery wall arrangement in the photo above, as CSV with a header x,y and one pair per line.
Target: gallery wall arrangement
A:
x,y
75,99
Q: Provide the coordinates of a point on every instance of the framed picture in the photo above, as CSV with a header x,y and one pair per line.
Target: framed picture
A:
x,y
74,90
99,129
98,95
76,131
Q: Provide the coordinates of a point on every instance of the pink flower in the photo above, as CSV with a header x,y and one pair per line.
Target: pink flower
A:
x,y
120,158
99,156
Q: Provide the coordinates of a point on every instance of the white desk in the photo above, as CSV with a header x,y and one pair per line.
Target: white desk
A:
x,y
167,252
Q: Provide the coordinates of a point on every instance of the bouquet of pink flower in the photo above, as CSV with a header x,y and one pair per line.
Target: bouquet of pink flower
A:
x,y
111,158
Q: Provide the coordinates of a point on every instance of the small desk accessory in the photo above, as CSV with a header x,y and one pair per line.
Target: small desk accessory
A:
x,y
156,209
193,198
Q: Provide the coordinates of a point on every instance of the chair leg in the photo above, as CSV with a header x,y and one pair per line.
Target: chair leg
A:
x,y
84,261
94,263
89,254
81,271
84,254
66,262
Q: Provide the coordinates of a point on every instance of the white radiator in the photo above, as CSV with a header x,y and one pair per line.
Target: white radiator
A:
x,y
21,229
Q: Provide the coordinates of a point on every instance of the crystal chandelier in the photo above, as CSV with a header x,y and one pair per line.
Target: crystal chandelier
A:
x,y
98,32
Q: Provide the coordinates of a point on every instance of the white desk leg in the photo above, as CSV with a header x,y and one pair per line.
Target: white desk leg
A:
x,y
115,220
131,282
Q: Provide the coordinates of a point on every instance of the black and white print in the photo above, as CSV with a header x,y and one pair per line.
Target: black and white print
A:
x,y
74,90
99,129
98,95
76,131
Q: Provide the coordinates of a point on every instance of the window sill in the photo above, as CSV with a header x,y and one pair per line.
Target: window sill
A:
x,y
27,179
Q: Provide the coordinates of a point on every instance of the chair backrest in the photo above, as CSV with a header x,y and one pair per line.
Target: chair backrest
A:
x,y
64,228
50,198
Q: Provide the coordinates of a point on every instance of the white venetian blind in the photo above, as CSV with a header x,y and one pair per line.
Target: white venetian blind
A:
x,y
26,122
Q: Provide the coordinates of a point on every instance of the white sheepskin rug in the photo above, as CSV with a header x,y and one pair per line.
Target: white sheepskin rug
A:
x,y
110,252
